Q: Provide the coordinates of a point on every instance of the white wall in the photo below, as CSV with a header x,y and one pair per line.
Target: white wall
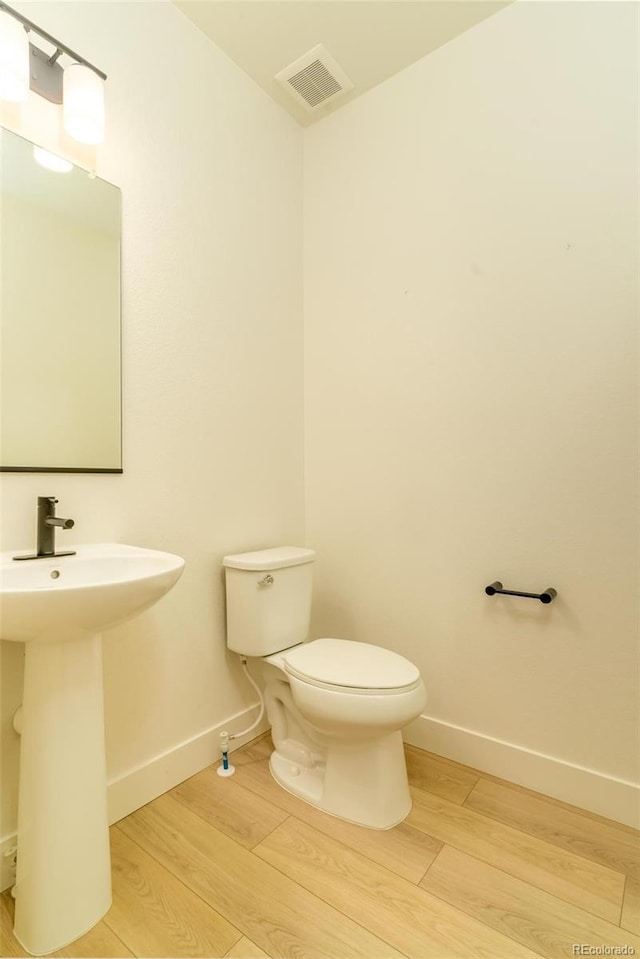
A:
x,y
211,177
470,305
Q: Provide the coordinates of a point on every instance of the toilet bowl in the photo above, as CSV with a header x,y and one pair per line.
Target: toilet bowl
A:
x,y
343,752
336,707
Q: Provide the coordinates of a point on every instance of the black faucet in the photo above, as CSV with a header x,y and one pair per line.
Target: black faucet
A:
x,y
47,522
46,528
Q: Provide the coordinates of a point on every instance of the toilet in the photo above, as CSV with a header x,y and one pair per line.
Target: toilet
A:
x,y
336,707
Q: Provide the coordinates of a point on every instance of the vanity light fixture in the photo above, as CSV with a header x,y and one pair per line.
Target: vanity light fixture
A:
x,y
14,60
79,87
83,104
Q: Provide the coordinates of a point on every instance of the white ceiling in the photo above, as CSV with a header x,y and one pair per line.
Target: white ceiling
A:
x,y
370,39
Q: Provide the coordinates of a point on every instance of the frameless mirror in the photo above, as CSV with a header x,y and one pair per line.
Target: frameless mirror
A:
x,y
60,368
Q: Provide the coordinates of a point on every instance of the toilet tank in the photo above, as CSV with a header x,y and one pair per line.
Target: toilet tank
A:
x,y
268,599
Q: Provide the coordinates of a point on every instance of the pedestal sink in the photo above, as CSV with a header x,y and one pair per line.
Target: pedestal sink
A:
x,y
57,607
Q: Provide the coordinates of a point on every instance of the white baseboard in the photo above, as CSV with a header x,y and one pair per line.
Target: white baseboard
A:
x,y
7,864
614,798
139,786
589,789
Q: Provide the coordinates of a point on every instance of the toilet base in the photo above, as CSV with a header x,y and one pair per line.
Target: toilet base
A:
x,y
301,781
364,782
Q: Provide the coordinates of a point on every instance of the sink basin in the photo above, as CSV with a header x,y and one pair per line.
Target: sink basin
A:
x,y
100,586
57,607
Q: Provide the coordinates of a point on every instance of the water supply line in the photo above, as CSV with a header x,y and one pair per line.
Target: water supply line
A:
x,y
226,769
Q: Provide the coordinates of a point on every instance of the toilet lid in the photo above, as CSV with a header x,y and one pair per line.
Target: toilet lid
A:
x,y
341,662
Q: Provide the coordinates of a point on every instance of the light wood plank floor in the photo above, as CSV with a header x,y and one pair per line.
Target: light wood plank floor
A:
x,y
480,868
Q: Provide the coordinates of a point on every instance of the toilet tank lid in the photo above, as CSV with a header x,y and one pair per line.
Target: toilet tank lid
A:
x,y
276,558
342,662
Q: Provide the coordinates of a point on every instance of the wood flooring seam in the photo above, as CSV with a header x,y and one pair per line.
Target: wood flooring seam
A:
x,y
576,811
533,835
424,875
624,893
614,852
286,798
130,948
471,915
422,891
174,875
526,882
462,848
256,792
266,835
557,803
233,945
321,898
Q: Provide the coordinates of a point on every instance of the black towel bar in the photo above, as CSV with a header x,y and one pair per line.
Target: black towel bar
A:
x,y
549,594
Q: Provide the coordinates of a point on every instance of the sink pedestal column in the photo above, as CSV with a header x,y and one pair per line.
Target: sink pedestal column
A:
x,y
63,885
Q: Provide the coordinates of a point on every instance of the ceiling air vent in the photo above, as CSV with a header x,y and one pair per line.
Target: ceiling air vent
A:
x,y
314,79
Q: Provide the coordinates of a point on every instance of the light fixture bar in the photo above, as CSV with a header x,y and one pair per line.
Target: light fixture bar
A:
x,y
45,75
60,47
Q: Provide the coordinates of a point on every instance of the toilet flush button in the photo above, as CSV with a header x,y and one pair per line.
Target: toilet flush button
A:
x,y
294,770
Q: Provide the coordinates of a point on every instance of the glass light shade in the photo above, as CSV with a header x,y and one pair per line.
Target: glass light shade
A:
x,y
83,104
50,161
14,59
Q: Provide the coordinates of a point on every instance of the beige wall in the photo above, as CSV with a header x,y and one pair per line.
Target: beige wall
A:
x,y
471,310
211,172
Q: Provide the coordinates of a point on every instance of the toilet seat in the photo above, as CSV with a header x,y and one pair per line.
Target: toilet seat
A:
x,y
347,666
